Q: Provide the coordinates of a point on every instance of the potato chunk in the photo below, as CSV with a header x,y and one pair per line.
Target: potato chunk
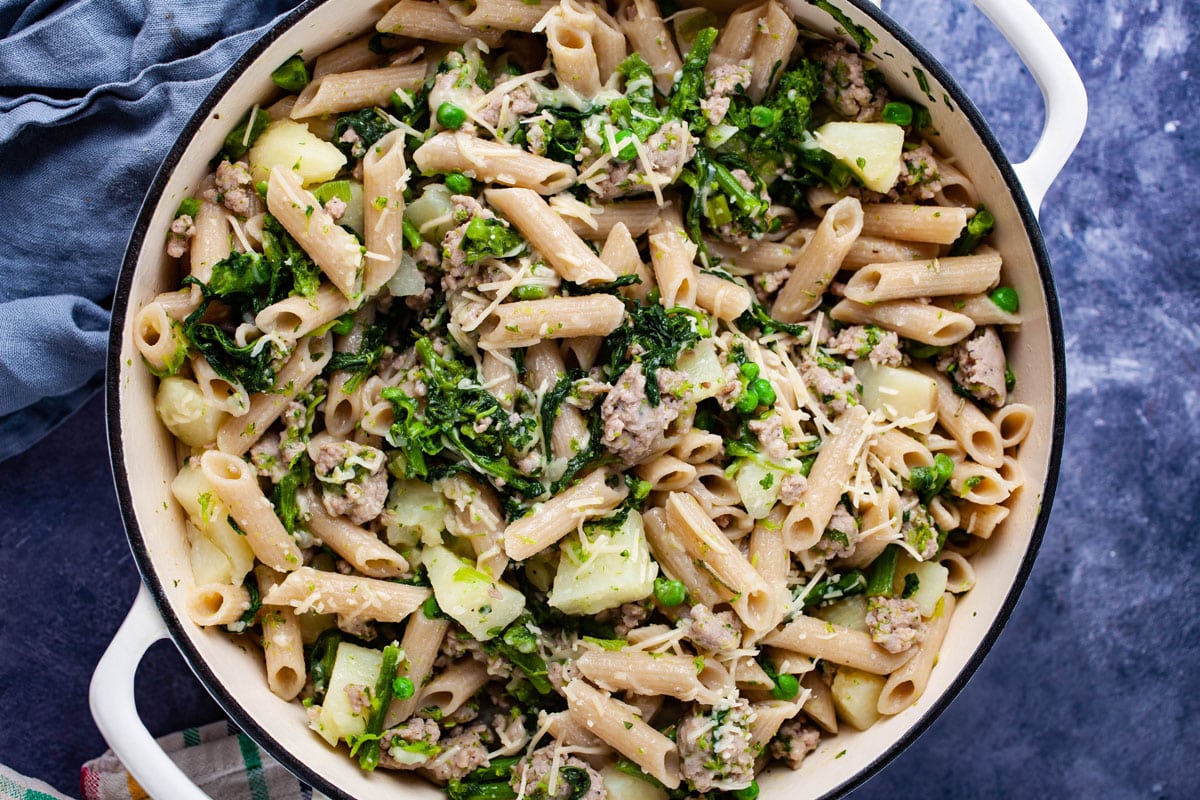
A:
x,y
870,149
291,145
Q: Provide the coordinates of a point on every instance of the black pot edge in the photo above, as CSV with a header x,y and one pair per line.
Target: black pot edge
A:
x,y
245,721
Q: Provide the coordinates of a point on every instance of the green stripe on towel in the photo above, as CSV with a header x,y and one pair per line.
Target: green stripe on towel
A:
x,y
255,780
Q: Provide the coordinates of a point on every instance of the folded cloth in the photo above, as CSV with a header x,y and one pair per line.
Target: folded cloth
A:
x,y
219,758
92,95
15,786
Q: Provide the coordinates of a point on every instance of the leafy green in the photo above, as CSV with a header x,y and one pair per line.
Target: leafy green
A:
x,y
636,112
495,790
362,363
238,143
609,287
832,588
654,336
284,495
416,115
371,125
563,140
519,645
684,103
720,198
757,317
287,257
790,107
247,619
496,769
244,281
189,206
977,228
249,366
578,779
929,481
460,420
291,75
585,457
553,399
861,36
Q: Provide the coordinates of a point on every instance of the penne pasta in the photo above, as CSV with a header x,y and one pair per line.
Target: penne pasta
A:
x,y
493,162
334,93
819,261
545,230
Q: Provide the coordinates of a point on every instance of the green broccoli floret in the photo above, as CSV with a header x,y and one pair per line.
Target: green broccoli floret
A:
x,y
792,101
686,94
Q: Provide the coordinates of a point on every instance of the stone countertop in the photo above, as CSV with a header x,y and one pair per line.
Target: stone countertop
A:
x,y
1091,691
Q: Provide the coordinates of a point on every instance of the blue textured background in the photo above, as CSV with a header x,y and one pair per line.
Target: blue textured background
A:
x,y
1093,688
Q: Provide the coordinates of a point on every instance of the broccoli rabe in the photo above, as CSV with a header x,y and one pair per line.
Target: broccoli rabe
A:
x,y
461,420
370,125
490,238
979,226
780,121
720,198
689,88
636,112
655,336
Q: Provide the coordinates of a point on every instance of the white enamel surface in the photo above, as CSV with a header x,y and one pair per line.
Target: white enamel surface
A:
x,y
150,455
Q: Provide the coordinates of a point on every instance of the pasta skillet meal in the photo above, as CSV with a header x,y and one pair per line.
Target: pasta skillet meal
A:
x,y
578,400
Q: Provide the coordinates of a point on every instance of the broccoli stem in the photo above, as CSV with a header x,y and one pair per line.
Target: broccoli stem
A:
x,y
458,790
686,95
732,187
852,583
381,699
883,572
321,660
977,228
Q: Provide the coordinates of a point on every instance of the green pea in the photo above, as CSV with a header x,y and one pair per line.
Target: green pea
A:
x,y
748,401
403,688
669,592
459,183
766,393
1006,299
786,687
451,116
749,370
898,114
749,793
762,117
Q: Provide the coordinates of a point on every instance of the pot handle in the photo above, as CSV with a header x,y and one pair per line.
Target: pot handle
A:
x,y
1062,89
114,707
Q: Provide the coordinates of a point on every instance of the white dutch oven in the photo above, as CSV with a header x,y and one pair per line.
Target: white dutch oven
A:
x,y
143,454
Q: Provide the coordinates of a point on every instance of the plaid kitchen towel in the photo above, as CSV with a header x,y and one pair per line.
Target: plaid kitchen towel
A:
x,y
92,95
15,786
219,758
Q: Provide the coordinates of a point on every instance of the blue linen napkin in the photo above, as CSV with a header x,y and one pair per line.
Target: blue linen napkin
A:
x,y
92,95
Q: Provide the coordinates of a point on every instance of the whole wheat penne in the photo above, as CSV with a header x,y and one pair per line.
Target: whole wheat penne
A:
x,y
547,232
